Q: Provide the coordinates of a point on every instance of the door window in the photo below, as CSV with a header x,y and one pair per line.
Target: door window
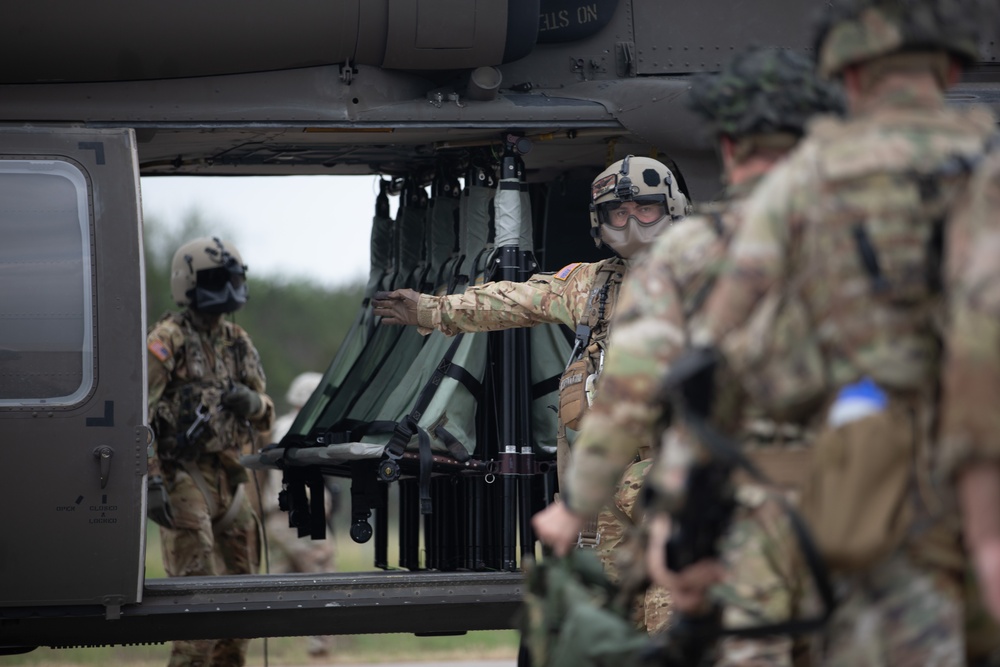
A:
x,y
46,314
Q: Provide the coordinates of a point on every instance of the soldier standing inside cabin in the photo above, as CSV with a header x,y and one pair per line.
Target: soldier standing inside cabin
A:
x,y
632,201
206,403
757,108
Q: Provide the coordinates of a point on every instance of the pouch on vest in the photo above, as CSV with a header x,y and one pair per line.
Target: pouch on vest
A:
x,y
573,392
856,501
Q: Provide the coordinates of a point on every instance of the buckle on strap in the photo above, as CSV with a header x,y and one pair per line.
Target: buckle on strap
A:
x,y
588,539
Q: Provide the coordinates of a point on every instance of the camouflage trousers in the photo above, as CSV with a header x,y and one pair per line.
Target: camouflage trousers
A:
x,y
620,551
897,614
197,546
765,583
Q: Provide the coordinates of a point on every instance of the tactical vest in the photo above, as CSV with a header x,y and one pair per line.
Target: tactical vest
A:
x,y
586,361
787,377
189,419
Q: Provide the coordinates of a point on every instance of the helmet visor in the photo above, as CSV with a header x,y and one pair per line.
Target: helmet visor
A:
x,y
646,210
222,289
216,279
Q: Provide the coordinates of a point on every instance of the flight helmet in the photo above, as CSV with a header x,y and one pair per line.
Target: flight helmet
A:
x,y
854,31
208,275
631,202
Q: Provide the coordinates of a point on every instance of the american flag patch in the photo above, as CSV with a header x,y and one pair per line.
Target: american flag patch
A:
x,y
159,350
563,273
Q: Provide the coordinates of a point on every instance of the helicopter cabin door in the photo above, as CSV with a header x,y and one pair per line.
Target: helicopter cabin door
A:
x,y
73,425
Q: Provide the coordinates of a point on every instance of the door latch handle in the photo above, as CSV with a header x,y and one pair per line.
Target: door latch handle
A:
x,y
103,454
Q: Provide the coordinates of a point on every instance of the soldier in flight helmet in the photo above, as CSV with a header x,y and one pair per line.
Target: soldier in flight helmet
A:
x,y
632,201
207,403
209,276
756,109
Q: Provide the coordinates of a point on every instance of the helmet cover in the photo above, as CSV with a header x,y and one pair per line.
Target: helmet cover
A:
x,y
854,31
763,91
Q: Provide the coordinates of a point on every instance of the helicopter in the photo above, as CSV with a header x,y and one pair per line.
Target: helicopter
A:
x,y
426,93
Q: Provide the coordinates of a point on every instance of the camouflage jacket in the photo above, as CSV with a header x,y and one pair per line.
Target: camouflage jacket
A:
x,y
559,298
970,419
650,329
190,370
851,224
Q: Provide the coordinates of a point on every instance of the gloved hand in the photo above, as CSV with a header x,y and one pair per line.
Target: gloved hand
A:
x,y
158,502
242,401
397,307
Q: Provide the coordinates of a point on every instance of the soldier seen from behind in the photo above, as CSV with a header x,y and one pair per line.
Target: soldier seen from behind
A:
x,y
632,201
852,226
206,405
757,109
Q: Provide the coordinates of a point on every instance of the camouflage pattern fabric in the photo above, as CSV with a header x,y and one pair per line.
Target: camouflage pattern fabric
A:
x,y
896,614
880,173
650,331
766,582
789,238
561,297
970,420
750,97
764,577
558,298
652,612
193,548
854,31
188,367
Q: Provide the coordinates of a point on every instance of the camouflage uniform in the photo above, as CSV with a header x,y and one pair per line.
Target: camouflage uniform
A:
x,y
760,103
189,367
564,297
878,173
972,369
763,574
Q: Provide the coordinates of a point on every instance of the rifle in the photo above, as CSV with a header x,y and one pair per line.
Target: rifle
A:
x,y
700,520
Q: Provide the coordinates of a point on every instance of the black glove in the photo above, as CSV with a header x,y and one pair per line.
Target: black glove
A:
x,y
158,502
242,401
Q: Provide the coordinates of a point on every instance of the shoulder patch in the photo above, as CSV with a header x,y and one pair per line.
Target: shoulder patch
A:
x,y
159,350
564,272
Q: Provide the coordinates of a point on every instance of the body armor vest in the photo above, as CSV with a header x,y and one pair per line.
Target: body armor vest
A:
x,y
189,419
578,382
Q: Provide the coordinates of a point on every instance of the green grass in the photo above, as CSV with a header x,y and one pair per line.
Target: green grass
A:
x,y
351,557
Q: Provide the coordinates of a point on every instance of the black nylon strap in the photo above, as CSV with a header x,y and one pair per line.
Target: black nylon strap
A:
x,y
456,372
408,425
426,463
455,448
545,387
